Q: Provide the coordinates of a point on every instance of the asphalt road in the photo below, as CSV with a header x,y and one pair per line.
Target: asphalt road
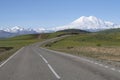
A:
x,y
35,63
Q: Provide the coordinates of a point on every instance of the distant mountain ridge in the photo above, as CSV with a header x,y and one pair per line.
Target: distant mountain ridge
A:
x,y
15,31
20,30
90,23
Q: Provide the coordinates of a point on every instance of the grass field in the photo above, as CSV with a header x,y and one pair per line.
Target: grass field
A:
x,y
11,45
95,45
17,42
101,45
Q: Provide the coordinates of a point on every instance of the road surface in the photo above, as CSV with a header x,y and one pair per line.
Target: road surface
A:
x,y
35,63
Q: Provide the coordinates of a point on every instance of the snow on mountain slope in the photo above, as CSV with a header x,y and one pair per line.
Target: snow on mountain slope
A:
x,y
21,30
17,29
40,30
90,23
14,29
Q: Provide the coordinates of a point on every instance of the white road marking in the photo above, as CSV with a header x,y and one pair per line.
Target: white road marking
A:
x,y
113,69
53,71
90,61
103,65
10,57
87,60
44,59
118,70
50,67
100,64
96,63
40,55
106,66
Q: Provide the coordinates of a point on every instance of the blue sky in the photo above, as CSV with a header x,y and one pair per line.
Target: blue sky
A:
x,y
51,13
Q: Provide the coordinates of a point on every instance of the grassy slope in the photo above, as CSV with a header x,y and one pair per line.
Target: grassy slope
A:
x,y
96,45
16,43
19,41
110,31
92,39
102,45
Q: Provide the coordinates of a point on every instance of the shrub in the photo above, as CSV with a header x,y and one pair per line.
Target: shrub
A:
x,y
98,44
70,47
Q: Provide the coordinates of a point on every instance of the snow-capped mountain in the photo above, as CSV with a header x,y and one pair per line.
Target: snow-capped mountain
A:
x,y
20,30
90,23
40,30
14,31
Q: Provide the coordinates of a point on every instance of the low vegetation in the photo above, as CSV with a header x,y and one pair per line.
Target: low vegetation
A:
x,y
66,32
96,45
11,45
103,45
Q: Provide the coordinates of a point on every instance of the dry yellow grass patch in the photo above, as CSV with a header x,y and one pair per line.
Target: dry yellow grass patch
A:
x,y
106,53
103,50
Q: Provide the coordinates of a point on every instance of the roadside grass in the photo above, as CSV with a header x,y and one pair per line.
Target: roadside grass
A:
x,y
23,40
16,43
95,45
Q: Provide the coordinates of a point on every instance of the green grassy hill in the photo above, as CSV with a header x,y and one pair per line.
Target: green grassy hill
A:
x,y
19,41
25,37
10,45
101,45
110,31
73,31
67,32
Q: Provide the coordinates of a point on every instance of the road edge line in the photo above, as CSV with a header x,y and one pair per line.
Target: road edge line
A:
x,y
1,65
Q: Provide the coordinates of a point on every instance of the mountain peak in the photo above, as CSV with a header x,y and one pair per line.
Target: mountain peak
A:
x,y
86,19
91,23
14,29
